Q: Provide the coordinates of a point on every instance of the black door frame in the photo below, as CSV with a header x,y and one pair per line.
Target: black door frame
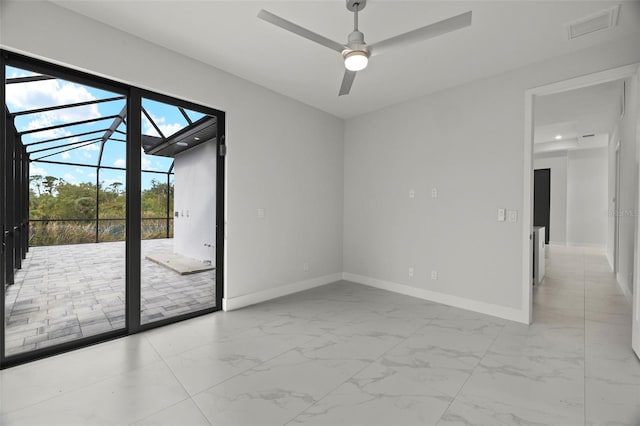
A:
x,y
133,214
3,201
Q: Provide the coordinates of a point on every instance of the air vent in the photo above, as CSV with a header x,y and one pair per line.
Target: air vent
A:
x,y
603,20
588,136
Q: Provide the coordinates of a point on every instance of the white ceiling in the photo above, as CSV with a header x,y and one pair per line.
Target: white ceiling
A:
x,y
591,110
504,35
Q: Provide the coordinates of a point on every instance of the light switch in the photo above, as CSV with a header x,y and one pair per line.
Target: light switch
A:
x,y
501,215
512,215
412,193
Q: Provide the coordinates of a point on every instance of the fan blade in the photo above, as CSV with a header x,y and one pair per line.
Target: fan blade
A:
x,y
347,81
421,34
297,29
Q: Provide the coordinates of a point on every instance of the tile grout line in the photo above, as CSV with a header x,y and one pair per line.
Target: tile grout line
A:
x,y
242,372
340,384
167,407
472,372
177,380
205,390
104,379
358,372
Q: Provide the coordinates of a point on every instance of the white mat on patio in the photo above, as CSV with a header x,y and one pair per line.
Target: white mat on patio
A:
x,y
180,264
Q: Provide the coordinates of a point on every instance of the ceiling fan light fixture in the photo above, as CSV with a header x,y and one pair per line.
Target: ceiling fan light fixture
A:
x,y
356,60
356,52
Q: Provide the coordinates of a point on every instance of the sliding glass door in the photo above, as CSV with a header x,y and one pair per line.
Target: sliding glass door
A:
x,y
64,175
178,210
110,199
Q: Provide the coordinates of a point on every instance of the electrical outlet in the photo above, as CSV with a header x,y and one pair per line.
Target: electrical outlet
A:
x,y
411,272
412,193
512,215
434,193
261,213
434,275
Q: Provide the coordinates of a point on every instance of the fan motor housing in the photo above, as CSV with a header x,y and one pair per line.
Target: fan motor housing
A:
x,y
356,38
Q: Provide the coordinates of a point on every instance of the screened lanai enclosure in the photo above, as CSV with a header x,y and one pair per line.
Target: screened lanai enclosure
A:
x,y
110,208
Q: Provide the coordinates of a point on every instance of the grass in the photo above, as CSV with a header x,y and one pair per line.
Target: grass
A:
x,y
54,233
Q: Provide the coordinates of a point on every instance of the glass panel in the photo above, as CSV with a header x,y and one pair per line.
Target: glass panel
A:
x,y
167,118
62,207
156,163
114,154
37,145
112,205
157,205
193,115
178,264
83,154
69,284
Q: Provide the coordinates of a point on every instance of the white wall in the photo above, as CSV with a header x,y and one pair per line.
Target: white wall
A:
x,y
288,158
587,193
195,201
468,142
611,207
579,194
283,156
557,162
627,210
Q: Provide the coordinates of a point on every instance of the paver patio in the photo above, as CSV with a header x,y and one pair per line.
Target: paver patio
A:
x,y
67,292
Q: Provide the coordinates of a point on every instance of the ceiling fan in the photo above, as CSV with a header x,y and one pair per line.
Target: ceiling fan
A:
x,y
356,52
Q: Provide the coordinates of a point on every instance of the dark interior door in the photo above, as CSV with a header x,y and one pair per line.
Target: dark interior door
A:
x,y
542,200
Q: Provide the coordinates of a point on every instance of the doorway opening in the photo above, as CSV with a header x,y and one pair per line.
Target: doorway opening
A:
x,y
590,148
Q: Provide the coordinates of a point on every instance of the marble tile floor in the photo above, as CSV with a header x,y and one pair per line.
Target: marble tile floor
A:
x,y
347,354
67,292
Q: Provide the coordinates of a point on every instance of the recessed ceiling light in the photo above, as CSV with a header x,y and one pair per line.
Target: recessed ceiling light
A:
x,y
558,137
182,143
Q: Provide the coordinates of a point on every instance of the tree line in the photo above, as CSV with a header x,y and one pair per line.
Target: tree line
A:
x,y
54,198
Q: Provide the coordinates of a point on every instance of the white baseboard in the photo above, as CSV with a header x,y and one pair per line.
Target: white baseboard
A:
x,y
610,261
595,247
230,304
624,287
446,299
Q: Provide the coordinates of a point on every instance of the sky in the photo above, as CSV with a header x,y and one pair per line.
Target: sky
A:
x,y
47,93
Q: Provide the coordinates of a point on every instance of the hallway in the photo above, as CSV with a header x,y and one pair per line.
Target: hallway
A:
x,y
580,302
